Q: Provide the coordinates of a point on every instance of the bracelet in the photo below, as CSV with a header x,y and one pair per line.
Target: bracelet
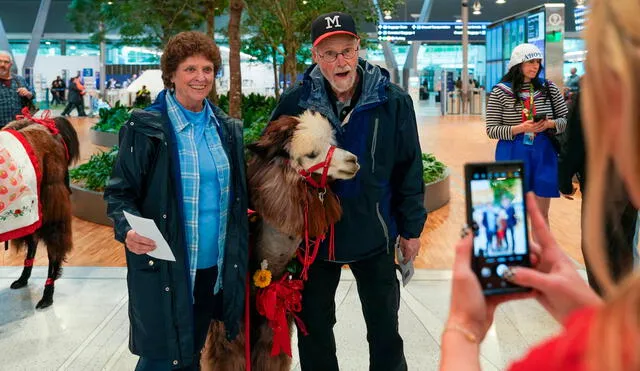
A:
x,y
468,334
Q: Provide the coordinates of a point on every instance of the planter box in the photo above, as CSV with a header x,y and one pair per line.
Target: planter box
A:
x,y
89,205
104,139
437,194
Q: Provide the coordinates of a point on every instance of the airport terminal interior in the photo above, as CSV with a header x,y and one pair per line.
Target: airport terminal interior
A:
x,y
87,326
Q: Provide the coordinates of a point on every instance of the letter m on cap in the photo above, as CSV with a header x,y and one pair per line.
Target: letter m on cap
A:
x,y
333,22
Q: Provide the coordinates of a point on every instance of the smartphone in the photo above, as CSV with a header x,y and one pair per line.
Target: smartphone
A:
x,y
497,214
539,117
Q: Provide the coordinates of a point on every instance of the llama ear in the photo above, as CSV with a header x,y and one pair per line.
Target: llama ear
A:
x,y
274,139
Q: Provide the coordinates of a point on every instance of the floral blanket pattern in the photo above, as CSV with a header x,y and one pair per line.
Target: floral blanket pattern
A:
x,y
20,213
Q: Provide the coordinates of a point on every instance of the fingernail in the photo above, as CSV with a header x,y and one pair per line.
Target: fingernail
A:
x,y
465,231
509,274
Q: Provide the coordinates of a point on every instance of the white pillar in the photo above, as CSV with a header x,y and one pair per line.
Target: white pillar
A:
x,y
465,55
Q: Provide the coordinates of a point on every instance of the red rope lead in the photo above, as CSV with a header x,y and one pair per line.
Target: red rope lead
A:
x,y
247,329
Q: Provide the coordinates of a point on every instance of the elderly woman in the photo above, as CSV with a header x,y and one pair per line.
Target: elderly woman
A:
x,y
181,165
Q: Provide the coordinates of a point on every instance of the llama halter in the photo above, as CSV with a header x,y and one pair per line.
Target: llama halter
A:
x,y
46,121
311,248
324,165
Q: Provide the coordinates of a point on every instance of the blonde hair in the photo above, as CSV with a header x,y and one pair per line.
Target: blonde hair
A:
x,y
613,64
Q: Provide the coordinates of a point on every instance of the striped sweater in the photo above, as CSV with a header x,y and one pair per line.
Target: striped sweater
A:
x,y
502,114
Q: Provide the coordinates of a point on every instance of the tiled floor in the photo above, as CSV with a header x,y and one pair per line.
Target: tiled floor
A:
x,y
87,326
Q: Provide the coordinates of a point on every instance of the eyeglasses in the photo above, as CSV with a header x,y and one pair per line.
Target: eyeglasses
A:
x,y
330,55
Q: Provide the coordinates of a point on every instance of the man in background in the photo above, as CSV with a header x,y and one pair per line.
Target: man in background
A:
x,y
15,93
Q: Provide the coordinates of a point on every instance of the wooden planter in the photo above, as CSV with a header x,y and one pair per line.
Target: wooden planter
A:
x,y
437,194
104,139
89,205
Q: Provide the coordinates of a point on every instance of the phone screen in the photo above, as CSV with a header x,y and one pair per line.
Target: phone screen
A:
x,y
496,211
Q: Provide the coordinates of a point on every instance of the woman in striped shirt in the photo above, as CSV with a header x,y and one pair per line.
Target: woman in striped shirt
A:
x,y
524,112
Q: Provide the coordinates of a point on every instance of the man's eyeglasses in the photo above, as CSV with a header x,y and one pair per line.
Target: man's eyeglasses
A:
x,y
330,55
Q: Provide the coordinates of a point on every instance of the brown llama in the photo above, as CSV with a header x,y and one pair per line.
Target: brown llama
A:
x,y
52,145
287,179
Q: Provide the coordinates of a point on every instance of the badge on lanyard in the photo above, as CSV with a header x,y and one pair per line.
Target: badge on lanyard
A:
x,y
528,112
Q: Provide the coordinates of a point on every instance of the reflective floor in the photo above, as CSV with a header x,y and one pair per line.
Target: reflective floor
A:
x,y
87,326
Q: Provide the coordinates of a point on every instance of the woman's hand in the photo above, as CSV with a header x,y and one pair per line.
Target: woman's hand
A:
x,y
557,284
469,307
549,124
138,244
529,126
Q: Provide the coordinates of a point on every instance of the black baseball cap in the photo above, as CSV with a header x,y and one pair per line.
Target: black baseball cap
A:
x,y
332,24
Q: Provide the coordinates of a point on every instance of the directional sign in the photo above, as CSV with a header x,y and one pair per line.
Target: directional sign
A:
x,y
432,31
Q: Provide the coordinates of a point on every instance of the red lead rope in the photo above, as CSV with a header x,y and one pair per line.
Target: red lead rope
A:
x,y
311,248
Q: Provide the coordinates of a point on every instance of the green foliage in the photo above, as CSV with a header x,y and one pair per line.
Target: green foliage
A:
x,y
255,108
504,187
94,174
432,169
253,132
138,22
112,119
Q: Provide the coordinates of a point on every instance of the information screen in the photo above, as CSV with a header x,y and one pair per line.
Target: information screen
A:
x,y
535,33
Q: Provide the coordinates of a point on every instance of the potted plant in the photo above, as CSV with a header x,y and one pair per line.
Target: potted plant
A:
x,y
435,175
105,132
87,185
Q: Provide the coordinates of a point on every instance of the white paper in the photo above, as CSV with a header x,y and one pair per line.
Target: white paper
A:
x,y
406,270
147,228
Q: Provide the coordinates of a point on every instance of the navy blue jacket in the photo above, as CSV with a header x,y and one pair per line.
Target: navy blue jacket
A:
x,y
386,197
145,181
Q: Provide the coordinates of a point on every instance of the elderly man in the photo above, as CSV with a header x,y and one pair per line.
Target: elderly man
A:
x,y
15,93
375,120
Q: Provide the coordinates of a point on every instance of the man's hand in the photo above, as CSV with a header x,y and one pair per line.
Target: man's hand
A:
x,y
24,92
410,248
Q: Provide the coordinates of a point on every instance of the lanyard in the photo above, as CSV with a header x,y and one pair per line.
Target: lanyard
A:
x,y
529,108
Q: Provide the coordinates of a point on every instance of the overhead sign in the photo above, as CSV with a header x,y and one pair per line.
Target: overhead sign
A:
x,y
431,31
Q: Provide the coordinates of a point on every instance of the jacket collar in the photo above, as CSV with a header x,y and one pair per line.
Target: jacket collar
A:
x,y
315,96
180,122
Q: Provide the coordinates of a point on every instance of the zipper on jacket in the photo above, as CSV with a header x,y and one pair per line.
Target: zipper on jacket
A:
x,y
374,143
384,225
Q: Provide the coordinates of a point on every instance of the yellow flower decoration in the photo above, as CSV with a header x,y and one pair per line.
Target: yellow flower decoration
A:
x,y
262,277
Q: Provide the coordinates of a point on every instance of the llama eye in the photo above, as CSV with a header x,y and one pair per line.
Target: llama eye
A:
x,y
312,155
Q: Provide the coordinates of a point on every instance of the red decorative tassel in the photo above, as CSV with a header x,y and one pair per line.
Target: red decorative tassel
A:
x,y
28,262
49,282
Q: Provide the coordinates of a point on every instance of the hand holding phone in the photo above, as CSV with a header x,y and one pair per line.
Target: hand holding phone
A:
x,y
496,210
539,117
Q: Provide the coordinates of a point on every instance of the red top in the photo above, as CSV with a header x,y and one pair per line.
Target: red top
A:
x,y
564,352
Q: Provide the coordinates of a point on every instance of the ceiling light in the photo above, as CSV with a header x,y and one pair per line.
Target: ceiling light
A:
x,y
477,7
501,1
387,14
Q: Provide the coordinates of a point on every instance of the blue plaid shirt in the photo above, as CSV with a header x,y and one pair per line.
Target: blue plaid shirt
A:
x,y
190,174
10,101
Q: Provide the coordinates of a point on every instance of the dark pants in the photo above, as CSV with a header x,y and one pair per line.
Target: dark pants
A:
x,y
379,293
56,98
206,307
620,226
70,106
